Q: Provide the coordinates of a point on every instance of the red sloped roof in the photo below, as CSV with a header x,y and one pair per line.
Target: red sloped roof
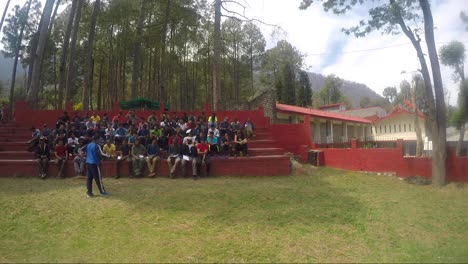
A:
x,y
372,118
399,111
330,105
318,113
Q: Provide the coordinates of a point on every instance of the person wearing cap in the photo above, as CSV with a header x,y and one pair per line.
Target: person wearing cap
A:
x,y
189,135
42,155
93,160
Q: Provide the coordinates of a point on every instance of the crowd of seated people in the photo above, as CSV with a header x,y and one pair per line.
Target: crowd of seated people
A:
x,y
142,142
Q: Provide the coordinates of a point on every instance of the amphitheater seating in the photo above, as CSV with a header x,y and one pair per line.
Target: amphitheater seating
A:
x,y
265,158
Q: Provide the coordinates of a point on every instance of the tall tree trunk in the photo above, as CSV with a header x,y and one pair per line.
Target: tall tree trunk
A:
x,y
4,14
417,126
464,107
217,56
137,51
89,58
52,19
99,92
71,61
436,115
162,55
439,177
63,59
33,93
15,64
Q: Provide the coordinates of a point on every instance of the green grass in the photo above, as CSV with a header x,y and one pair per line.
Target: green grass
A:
x,y
324,216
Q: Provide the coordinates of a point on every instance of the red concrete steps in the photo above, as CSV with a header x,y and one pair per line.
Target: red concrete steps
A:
x,y
272,165
262,143
13,146
13,138
16,155
265,151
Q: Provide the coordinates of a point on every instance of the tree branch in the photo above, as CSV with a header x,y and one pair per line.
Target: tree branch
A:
x,y
243,18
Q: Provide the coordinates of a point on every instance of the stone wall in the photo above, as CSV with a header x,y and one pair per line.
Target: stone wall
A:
x,y
266,99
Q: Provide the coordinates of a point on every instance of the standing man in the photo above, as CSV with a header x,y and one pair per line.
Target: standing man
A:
x,y
93,159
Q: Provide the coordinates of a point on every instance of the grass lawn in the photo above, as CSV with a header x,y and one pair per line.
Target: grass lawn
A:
x,y
324,216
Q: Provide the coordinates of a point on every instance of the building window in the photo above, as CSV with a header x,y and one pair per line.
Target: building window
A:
x,y
399,128
409,127
380,129
385,127
404,126
394,128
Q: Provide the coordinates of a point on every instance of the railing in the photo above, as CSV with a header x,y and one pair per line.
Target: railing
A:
x,y
378,142
336,142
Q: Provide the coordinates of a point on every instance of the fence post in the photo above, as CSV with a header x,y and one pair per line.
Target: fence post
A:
x,y
399,143
354,143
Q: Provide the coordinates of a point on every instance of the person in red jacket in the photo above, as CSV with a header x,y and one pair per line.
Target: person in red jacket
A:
x,y
203,157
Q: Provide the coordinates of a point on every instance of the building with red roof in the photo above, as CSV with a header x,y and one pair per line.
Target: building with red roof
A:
x,y
326,127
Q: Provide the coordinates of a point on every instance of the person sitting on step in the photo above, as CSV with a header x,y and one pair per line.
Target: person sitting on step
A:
x,y
124,155
203,157
174,154
189,155
79,159
226,145
153,157
240,141
138,158
213,144
61,155
42,156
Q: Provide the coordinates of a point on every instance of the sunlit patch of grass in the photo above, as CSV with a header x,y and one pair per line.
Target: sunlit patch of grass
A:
x,y
322,216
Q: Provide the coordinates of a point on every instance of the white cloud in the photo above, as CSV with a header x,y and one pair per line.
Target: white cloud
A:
x,y
312,31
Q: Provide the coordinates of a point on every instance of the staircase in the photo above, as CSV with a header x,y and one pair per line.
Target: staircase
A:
x,y
265,158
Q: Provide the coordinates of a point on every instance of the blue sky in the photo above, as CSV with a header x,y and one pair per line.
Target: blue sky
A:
x,y
318,35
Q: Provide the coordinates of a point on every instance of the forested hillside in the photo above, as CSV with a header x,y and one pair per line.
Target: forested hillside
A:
x,y
355,92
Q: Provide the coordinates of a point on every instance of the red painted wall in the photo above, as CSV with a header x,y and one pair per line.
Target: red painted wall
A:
x,y
292,137
26,116
392,160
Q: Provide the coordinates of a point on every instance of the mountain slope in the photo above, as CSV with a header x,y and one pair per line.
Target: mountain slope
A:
x,y
354,91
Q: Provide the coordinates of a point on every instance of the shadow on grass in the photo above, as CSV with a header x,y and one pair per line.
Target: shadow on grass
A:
x,y
276,201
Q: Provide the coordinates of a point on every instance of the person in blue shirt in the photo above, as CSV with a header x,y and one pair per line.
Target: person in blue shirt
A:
x,y
153,157
93,159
